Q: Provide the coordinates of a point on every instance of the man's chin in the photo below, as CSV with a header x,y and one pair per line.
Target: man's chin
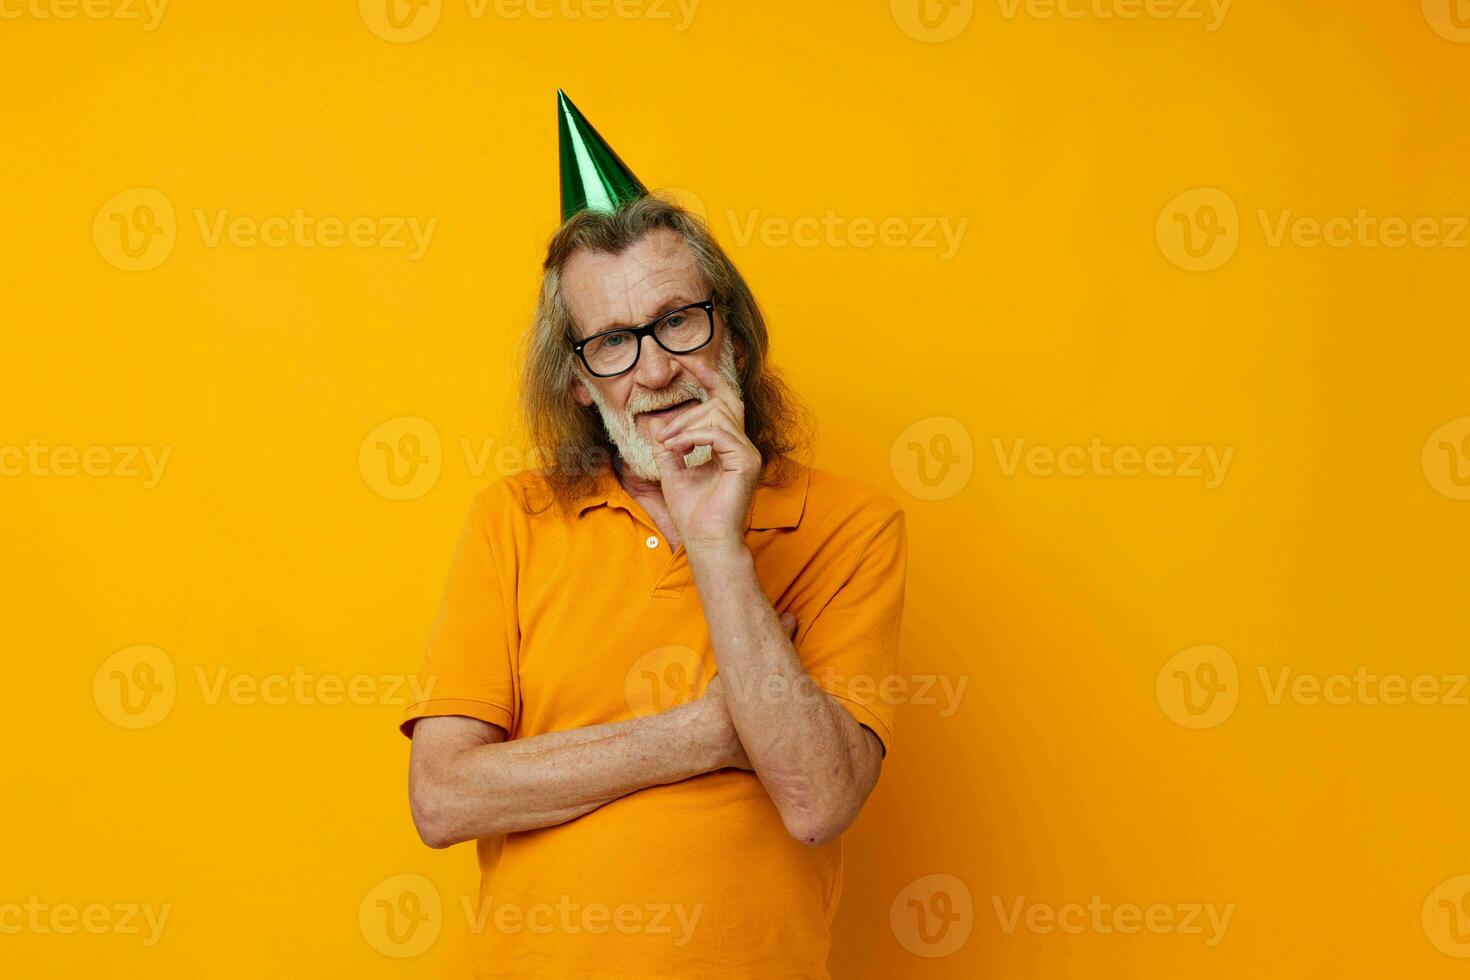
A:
x,y
639,462
645,467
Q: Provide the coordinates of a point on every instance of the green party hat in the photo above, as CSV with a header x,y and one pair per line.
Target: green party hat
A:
x,y
593,178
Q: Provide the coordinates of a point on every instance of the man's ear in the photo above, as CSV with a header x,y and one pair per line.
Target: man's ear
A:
x,y
580,392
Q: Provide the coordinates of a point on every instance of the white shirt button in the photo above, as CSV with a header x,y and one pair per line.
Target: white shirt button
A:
x,y
651,541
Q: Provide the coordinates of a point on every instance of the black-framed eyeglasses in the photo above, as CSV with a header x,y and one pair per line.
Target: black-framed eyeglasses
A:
x,y
614,352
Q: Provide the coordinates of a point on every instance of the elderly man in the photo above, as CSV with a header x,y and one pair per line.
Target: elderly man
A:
x,y
656,676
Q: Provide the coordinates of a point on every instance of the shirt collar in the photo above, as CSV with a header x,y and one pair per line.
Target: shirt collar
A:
x,y
770,507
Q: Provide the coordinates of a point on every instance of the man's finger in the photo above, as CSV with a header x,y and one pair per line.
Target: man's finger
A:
x,y
720,440
718,388
703,413
668,464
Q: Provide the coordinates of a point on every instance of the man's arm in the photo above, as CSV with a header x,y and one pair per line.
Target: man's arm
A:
x,y
466,780
816,762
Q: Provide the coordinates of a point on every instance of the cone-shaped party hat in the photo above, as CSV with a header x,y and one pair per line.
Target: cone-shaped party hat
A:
x,y
593,178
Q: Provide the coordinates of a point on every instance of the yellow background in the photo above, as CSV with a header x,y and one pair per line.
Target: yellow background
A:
x,y
1334,541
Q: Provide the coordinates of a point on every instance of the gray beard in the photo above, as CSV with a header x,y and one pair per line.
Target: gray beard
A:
x,y
635,450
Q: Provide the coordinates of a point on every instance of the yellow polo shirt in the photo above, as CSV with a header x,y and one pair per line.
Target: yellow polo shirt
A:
x,y
555,620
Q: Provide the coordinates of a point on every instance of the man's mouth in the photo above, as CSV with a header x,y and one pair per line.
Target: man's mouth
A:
x,y
669,411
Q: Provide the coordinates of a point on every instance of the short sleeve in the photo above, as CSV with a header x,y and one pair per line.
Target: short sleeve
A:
x,y
851,648
468,667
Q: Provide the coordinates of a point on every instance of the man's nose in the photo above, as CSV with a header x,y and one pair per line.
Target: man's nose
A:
x,y
656,366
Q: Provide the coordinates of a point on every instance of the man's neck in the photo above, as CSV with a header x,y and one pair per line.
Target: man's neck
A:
x,y
649,494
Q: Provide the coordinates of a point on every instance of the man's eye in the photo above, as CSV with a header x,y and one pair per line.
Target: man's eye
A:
x,y
677,320
613,341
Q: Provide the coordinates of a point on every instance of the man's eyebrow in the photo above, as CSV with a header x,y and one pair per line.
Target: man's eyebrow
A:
x,y
667,306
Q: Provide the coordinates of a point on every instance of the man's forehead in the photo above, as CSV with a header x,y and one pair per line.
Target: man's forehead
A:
x,y
605,290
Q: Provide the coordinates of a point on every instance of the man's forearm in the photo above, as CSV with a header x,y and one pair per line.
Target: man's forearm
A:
x,y
502,787
815,761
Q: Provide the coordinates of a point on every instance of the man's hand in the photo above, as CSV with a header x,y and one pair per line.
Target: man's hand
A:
x,y
713,700
708,503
